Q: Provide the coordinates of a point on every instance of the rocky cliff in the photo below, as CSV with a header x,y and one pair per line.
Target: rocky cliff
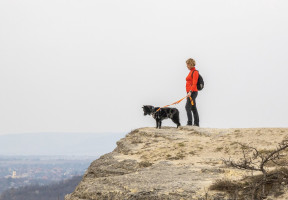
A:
x,y
172,163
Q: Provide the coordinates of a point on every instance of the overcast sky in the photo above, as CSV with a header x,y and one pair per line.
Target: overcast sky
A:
x,y
89,66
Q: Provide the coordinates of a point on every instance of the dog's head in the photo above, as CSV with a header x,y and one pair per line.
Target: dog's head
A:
x,y
148,109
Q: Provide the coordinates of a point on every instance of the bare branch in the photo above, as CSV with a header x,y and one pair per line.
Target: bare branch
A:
x,y
255,160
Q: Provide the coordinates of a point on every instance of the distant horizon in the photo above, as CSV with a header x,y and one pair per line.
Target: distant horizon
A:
x,y
51,157
58,144
19,133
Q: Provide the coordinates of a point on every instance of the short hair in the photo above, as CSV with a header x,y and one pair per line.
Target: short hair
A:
x,y
191,62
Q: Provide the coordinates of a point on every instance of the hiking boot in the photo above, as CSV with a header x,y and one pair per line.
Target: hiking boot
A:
x,y
189,123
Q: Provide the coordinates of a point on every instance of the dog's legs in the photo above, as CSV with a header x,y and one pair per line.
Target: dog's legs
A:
x,y
160,123
157,122
176,122
176,119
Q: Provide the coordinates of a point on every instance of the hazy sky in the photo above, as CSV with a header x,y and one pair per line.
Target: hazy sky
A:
x,y
89,66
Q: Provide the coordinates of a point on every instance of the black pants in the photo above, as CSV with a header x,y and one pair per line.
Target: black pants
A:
x,y
189,107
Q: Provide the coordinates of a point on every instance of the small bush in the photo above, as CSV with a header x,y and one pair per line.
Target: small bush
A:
x,y
181,144
225,185
218,149
178,156
145,164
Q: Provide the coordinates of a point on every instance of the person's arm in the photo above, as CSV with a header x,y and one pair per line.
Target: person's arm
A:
x,y
193,88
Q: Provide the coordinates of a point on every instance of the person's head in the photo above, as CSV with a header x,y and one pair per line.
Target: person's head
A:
x,y
190,63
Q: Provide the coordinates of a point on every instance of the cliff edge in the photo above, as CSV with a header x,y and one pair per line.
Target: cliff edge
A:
x,y
172,163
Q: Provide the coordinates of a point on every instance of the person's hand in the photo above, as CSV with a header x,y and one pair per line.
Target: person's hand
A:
x,y
189,94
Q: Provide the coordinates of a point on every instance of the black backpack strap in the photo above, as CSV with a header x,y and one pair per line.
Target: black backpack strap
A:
x,y
193,73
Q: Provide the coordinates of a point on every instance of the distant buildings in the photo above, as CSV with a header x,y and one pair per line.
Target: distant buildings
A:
x,y
14,174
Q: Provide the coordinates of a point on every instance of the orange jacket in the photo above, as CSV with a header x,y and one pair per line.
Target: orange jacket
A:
x,y
191,83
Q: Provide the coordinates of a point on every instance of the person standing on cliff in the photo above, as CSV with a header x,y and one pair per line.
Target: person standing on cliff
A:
x,y
192,91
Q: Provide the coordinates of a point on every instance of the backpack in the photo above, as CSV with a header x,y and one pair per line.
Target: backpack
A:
x,y
200,82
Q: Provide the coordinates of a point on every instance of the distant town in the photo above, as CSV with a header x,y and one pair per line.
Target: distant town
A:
x,y
19,171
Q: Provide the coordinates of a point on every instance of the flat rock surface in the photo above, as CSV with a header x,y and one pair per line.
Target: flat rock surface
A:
x,y
172,163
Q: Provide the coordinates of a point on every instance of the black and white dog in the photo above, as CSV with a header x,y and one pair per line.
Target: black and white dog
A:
x,y
163,113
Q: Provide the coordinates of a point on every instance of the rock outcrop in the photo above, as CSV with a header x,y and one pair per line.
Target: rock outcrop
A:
x,y
172,163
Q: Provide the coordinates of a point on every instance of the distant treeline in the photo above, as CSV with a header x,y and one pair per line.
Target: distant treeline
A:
x,y
6,183
48,192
